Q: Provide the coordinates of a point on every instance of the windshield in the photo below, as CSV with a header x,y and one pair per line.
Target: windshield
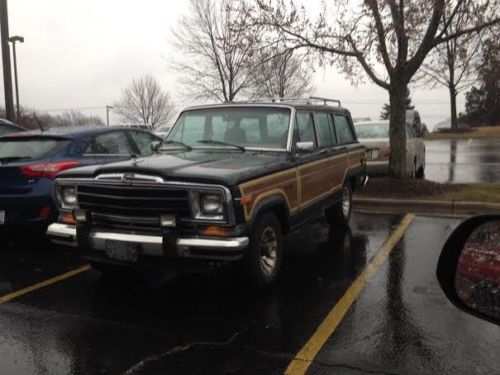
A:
x,y
373,130
249,127
32,148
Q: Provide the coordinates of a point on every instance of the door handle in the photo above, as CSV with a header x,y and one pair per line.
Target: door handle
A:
x,y
322,152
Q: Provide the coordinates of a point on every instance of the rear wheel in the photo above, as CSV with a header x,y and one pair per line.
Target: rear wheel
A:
x,y
340,213
263,257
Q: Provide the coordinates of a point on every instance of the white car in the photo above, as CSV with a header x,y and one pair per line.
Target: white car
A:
x,y
163,131
374,135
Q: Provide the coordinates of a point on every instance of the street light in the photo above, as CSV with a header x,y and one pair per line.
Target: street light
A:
x,y
108,108
13,40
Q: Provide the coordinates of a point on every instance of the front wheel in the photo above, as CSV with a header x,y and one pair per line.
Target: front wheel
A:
x,y
340,213
263,257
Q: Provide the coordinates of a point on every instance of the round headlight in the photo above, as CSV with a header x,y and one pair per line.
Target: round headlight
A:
x,y
68,195
211,204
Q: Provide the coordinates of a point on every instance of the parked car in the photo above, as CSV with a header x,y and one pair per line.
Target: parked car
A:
x,y
414,121
138,126
443,125
163,131
374,135
361,119
7,127
229,181
30,161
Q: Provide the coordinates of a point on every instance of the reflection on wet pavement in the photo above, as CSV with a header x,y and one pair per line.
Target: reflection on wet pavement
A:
x,y
401,323
463,161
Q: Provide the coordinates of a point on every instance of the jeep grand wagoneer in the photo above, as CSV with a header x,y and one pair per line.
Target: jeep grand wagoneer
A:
x,y
227,183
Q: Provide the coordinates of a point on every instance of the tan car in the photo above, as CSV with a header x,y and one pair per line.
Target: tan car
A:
x,y
374,135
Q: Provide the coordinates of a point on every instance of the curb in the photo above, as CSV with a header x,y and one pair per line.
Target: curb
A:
x,y
426,207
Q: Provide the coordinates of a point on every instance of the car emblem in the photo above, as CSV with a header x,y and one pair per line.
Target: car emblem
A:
x,y
128,177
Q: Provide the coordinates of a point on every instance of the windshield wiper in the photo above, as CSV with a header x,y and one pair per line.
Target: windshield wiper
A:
x,y
8,159
176,143
211,141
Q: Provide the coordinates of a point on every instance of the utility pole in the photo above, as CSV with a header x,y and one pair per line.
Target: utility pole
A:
x,y
7,74
108,108
13,40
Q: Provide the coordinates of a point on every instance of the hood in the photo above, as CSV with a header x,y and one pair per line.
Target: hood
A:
x,y
208,166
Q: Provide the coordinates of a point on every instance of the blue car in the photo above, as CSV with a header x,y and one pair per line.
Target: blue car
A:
x,y
29,162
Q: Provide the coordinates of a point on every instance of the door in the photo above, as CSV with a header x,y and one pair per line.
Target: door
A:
x,y
312,165
354,152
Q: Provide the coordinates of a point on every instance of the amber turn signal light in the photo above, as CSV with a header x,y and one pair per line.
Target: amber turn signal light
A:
x,y
216,231
67,219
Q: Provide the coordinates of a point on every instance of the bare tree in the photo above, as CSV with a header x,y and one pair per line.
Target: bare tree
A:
x,y
453,63
217,61
144,101
282,74
386,40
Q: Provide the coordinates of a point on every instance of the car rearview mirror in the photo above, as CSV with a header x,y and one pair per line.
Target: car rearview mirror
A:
x,y
469,267
155,145
305,146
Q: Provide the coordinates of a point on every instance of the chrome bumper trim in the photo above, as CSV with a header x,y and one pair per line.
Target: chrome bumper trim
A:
x,y
151,245
63,234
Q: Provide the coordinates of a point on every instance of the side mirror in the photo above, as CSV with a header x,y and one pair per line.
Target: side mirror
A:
x,y
155,145
468,270
305,146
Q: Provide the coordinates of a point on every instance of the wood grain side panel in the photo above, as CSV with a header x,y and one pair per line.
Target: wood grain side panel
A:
x,y
321,178
356,158
283,184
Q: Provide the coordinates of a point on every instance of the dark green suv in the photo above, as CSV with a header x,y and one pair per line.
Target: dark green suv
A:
x,y
228,182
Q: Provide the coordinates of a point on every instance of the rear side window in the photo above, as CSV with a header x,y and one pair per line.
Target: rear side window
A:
x,y
324,130
344,130
30,148
114,143
304,128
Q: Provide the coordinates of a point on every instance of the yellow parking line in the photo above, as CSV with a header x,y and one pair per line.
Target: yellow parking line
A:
x,y
306,355
43,284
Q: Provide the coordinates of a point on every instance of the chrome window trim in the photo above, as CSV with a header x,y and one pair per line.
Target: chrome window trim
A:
x,y
244,105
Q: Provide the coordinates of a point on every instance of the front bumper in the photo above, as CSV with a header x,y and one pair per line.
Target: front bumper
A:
x,y
185,247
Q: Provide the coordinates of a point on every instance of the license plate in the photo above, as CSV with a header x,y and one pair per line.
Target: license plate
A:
x,y
124,251
372,154
2,217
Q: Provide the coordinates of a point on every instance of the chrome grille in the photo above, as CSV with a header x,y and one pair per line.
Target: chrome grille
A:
x,y
132,207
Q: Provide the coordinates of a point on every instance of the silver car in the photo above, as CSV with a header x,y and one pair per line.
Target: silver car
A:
x,y
374,135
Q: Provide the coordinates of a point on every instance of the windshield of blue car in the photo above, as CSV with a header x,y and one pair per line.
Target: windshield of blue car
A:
x,y
248,127
372,130
29,147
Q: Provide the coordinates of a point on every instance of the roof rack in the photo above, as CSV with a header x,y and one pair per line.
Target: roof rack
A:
x,y
308,100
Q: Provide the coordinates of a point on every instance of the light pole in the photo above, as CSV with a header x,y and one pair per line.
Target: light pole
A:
x,y
108,108
13,40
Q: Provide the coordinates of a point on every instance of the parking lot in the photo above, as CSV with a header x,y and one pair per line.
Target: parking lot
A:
x,y
400,323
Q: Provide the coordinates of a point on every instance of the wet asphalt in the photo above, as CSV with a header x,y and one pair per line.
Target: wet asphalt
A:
x,y
209,324
463,161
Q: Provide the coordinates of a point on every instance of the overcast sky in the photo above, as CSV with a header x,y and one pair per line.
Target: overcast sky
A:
x,y
80,53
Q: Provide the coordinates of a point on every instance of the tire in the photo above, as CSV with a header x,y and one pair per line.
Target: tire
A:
x,y
340,213
263,258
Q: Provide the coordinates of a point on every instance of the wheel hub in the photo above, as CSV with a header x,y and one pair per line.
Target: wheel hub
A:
x,y
268,251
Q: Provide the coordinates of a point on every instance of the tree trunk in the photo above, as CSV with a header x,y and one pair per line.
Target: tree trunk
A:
x,y
397,132
453,105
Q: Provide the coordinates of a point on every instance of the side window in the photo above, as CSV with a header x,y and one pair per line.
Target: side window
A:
x,y
304,128
114,143
324,130
143,141
344,130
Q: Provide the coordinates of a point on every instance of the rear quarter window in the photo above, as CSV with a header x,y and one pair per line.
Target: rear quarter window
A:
x,y
33,148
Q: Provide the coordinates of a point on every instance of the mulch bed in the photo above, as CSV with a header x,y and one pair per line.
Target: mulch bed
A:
x,y
385,187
